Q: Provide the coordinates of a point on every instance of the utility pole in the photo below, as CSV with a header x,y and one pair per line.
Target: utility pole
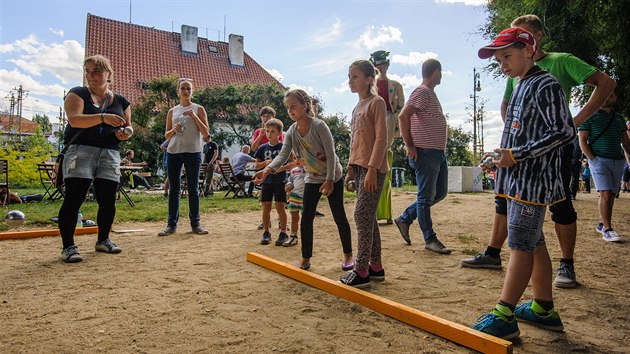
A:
x,y
11,97
476,88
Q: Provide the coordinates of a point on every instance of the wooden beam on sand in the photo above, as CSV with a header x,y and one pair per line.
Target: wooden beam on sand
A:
x,y
42,233
452,331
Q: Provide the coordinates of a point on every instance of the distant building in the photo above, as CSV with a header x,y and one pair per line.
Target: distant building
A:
x,y
140,54
13,125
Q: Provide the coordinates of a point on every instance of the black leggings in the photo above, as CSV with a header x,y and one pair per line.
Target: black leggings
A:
x,y
335,201
76,191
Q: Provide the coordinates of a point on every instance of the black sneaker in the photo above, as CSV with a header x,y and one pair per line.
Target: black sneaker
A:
x,y
282,237
266,238
353,279
71,255
482,260
291,241
107,246
379,276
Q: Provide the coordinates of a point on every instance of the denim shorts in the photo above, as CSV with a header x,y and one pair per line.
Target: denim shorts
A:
x,y
606,173
525,223
83,161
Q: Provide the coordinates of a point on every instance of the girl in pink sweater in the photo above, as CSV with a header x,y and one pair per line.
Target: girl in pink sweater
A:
x,y
367,167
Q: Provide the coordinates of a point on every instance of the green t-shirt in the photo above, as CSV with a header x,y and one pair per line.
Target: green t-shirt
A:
x,y
566,68
608,145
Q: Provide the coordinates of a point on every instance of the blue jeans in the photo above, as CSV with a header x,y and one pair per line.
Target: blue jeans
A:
x,y
192,163
432,179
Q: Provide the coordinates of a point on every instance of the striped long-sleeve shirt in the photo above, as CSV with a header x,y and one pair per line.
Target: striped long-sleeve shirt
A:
x,y
538,124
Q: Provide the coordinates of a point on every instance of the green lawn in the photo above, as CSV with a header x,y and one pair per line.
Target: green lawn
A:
x,y
149,207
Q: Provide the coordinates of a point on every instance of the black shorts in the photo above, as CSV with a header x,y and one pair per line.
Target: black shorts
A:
x,y
273,192
626,175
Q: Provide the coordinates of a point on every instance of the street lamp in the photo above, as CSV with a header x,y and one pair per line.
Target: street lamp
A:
x,y
476,88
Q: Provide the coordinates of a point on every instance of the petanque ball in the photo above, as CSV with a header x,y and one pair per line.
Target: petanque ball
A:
x,y
14,218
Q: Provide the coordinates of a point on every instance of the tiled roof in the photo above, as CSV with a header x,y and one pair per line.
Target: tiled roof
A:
x,y
28,126
140,54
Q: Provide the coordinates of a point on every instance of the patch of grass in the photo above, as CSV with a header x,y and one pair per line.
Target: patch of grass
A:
x,y
149,207
470,251
464,238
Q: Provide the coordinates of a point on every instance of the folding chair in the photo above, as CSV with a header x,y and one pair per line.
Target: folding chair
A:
x,y
4,181
235,186
48,176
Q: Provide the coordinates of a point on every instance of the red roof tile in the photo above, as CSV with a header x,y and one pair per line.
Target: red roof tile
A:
x,y
140,54
28,126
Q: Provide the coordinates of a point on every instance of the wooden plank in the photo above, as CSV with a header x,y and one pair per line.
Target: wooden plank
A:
x,y
42,233
446,329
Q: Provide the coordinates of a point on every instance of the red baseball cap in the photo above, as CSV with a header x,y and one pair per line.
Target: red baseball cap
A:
x,y
505,39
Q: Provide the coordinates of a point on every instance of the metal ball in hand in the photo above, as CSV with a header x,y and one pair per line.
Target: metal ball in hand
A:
x,y
128,130
14,218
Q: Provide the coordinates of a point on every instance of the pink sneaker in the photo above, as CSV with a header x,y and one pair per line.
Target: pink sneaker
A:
x,y
347,266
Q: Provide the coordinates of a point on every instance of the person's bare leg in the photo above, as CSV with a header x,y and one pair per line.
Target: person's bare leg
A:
x,y
295,220
282,215
566,238
499,231
517,277
606,198
541,274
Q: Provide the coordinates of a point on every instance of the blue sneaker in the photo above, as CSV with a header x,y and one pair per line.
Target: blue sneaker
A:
x,y
600,228
497,326
551,321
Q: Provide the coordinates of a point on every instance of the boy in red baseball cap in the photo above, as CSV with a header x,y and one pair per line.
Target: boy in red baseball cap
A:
x,y
536,127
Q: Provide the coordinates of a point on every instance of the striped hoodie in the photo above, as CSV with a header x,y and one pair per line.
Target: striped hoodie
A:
x,y
538,124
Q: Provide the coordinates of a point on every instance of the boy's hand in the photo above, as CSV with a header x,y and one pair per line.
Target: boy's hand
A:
x,y
326,188
505,161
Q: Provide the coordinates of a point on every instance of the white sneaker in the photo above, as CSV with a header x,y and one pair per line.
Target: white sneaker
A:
x,y
611,236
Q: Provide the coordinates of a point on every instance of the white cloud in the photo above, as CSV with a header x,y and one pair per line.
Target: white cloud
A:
x,y
275,73
374,37
62,60
407,81
413,58
342,88
27,44
327,36
309,89
465,2
14,78
60,33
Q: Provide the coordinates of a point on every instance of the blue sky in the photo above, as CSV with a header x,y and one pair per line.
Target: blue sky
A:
x,y
307,44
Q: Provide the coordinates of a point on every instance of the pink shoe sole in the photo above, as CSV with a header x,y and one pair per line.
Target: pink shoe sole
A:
x,y
348,266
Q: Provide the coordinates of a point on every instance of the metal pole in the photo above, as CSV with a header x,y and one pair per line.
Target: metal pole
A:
x,y
475,114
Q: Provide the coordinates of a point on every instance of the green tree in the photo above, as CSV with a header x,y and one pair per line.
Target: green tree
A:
x,y
341,134
43,121
597,31
457,147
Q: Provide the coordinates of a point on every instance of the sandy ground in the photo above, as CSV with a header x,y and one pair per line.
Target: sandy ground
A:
x,y
187,293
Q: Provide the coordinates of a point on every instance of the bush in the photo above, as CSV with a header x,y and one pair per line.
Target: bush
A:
x,y
23,159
